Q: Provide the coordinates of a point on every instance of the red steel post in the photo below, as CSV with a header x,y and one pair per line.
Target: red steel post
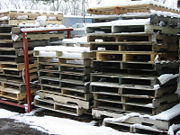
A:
x,y
27,77
68,33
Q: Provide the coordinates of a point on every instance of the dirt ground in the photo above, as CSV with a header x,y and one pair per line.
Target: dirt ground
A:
x,y
10,127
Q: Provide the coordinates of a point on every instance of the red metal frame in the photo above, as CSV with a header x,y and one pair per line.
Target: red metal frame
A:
x,y
26,62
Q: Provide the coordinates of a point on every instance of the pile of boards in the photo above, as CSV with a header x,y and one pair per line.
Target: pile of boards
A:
x,y
12,68
136,66
64,79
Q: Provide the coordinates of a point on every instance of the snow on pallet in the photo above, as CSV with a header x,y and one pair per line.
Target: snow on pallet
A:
x,y
131,6
134,122
64,74
121,93
30,14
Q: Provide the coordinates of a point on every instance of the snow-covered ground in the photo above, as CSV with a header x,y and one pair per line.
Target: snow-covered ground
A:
x,y
59,126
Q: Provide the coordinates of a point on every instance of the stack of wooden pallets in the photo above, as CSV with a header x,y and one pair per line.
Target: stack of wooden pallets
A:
x,y
132,56
12,53
30,18
64,79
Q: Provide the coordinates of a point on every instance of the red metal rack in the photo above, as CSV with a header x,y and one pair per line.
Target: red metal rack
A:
x,y
26,62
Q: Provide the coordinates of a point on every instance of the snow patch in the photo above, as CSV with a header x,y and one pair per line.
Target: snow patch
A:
x,y
173,128
121,23
49,27
4,18
168,114
81,40
7,114
167,77
122,119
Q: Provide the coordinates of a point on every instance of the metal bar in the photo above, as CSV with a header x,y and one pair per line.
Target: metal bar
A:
x,y
12,103
68,33
27,77
26,62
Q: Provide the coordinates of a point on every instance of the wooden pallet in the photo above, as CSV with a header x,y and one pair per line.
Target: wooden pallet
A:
x,y
16,15
148,101
129,8
50,82
19,74
143,125
127,47
126,127
132,28
103,78
120,79
15,66
30,22
120,37
14,59
75,93
59,107
75,69
128,56
75,77
138,80
57,97
44,36
139,90
106,97
155,19
108,106
14,94
84,88
146,109
49,73
48,67
132,39
138,68
109,89
12,85
50,89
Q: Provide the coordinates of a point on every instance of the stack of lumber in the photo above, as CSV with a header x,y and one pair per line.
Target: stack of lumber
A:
x,y
136,66
30,18
12,68
64,75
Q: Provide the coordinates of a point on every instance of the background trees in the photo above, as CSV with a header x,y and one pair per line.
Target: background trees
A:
x,y
68,7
